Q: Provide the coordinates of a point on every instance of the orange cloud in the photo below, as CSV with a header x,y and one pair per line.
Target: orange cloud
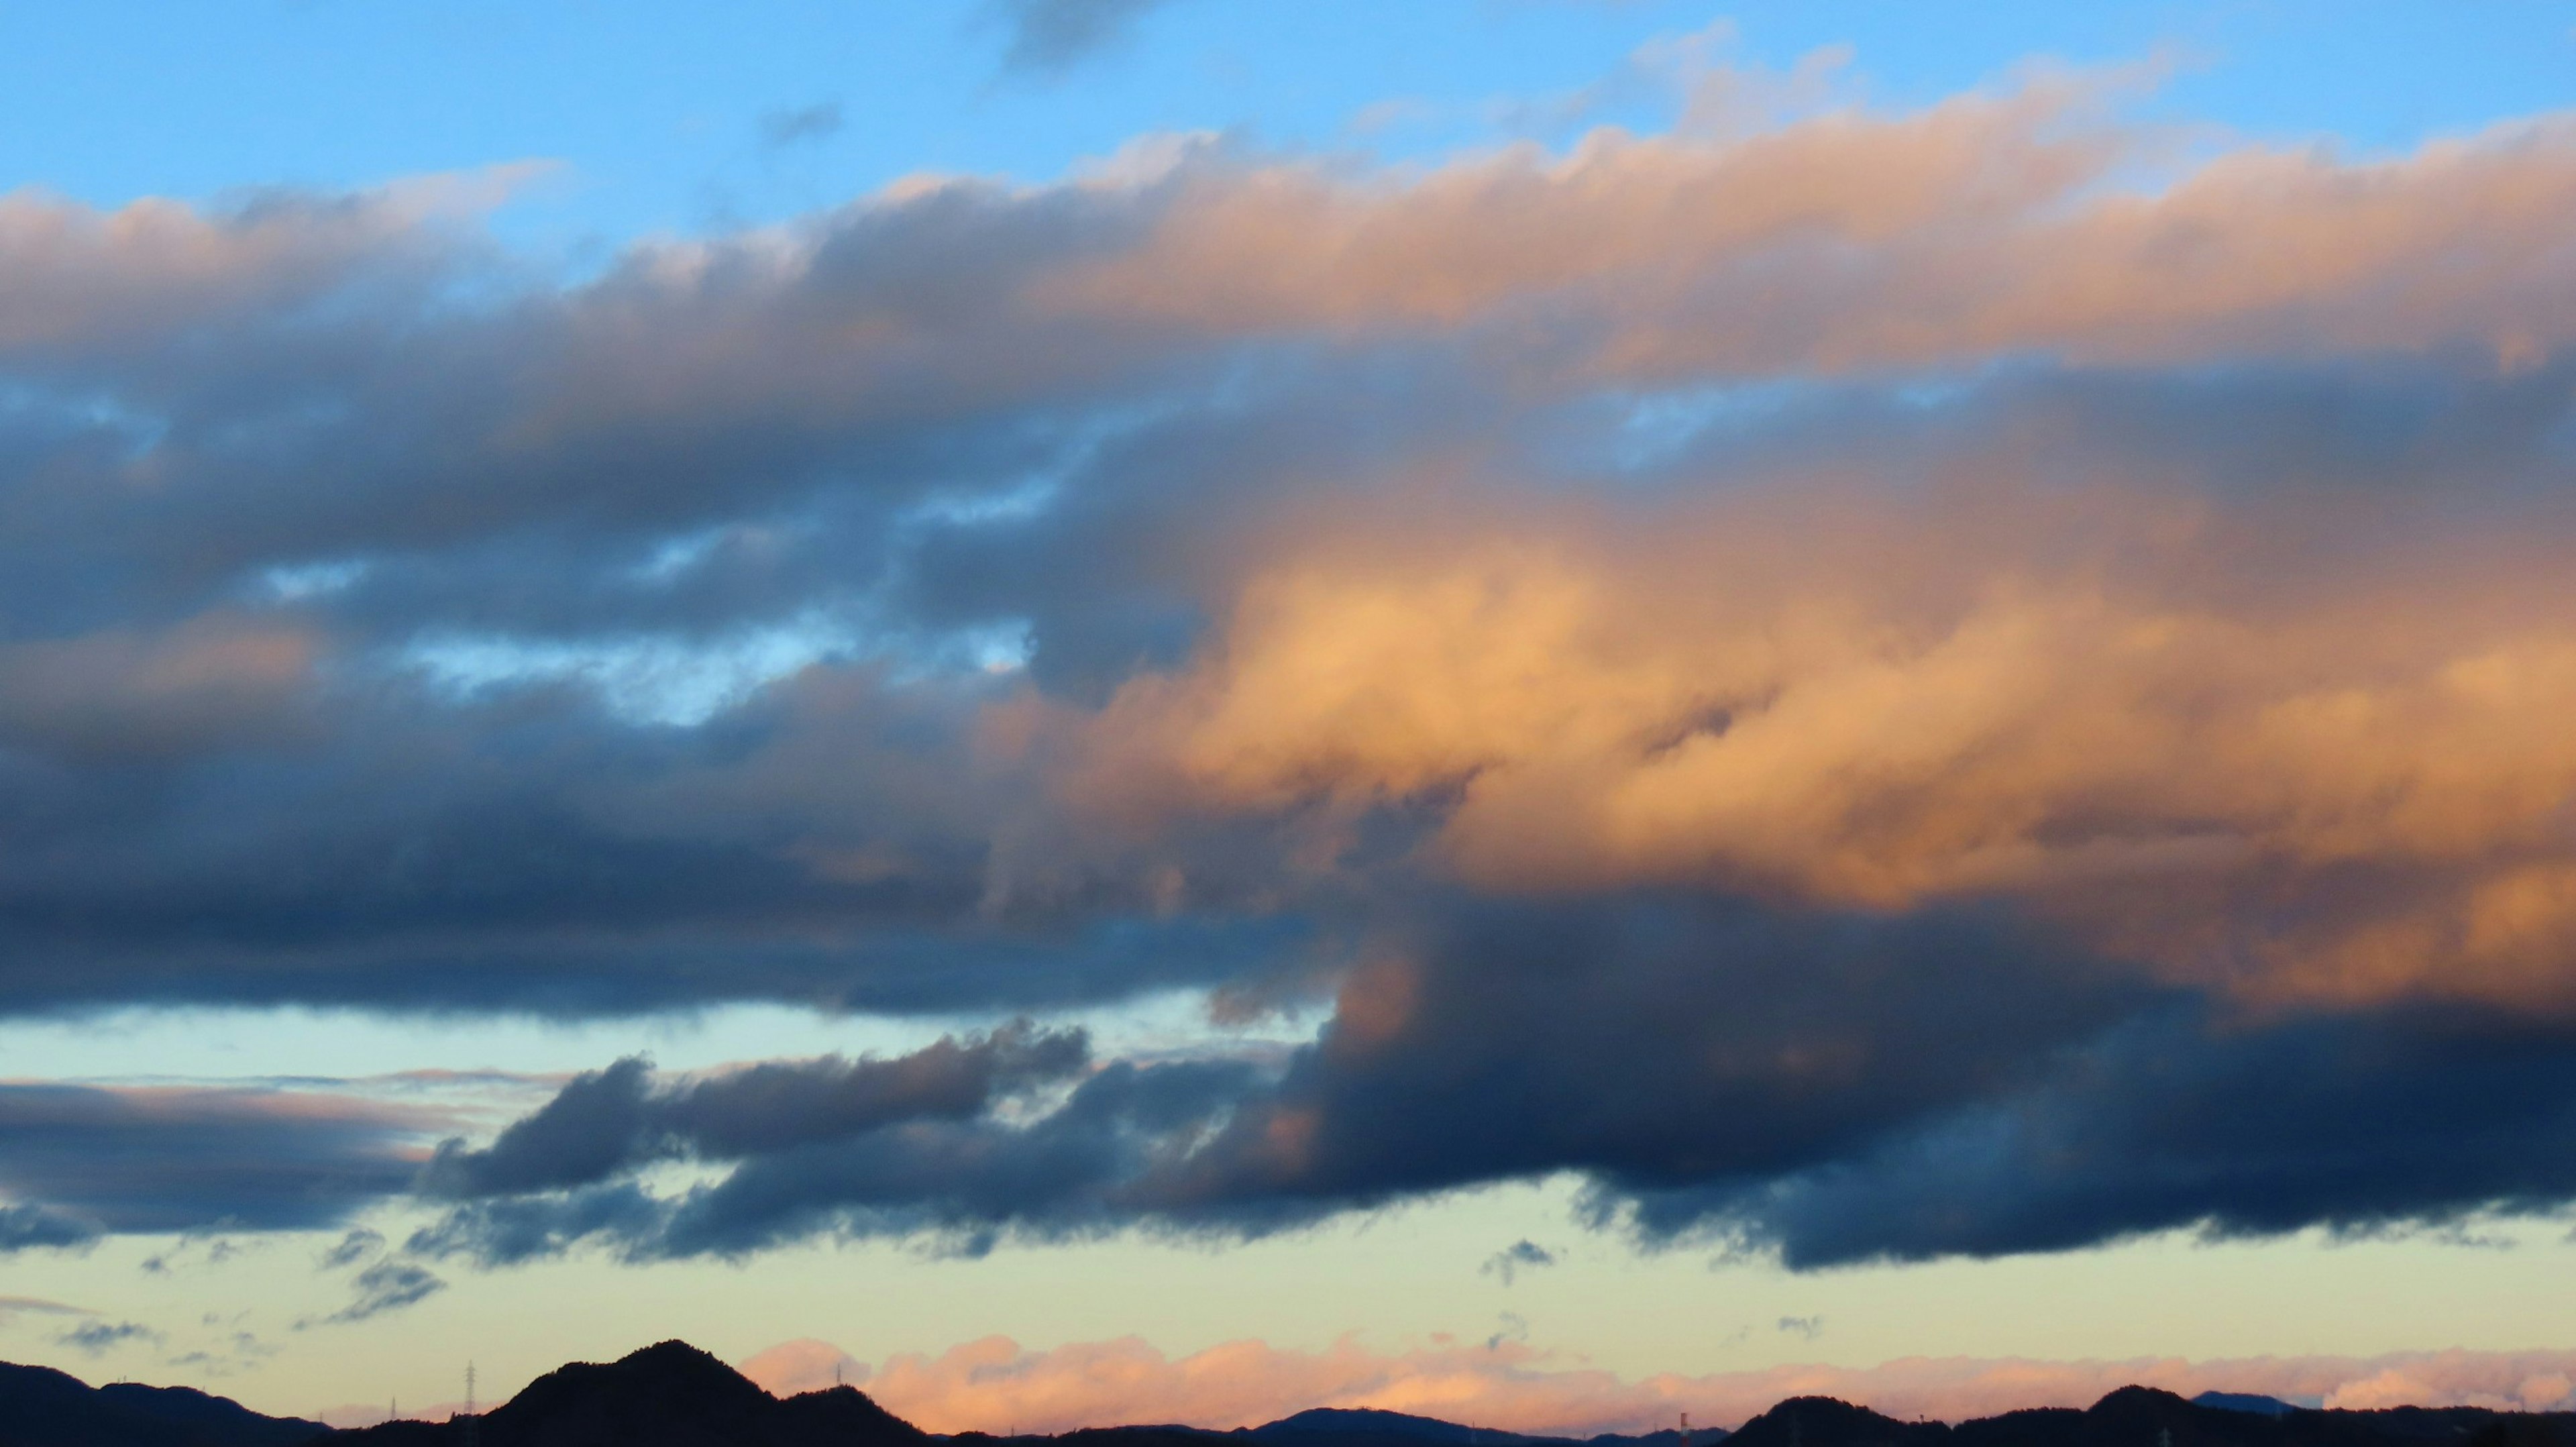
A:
x,y
2170,727
1850,240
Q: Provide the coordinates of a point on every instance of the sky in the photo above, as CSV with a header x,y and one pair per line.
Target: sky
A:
x,y
1549,711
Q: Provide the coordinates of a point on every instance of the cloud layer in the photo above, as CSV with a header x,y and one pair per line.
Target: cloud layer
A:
x,y
1888,684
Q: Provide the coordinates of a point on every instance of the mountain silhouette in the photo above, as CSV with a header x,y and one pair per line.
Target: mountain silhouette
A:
x,y
674,1395
2253,1402
41,1407
670,1395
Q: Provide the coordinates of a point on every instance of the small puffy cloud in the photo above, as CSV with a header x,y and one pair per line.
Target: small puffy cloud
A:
x,y
1519,1256
1808,1327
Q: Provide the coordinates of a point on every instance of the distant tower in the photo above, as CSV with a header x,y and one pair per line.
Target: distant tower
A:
x,y
473,1423
1686,1432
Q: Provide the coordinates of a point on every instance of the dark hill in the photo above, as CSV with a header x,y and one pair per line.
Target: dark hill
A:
x,y
1369,1427
1347,1424
2253,1402
41,1407
671,1395
674,1395
1827,1422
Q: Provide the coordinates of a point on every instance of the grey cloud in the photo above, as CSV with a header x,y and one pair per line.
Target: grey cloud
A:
x,y
24,1227
352,1248
96,1337
616,1120
90,1159
2399,1120
1519,1256
1052,35
387,1286
512,1229
802,123
1809,1327
1837,1091
1083,1168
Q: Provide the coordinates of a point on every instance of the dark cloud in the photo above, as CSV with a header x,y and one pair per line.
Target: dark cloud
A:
x,y
604,1124
387,1286
88,1159
1052,35
23,1227
2384,1121
1077,1170
1809,1327
352,1248
1842,1090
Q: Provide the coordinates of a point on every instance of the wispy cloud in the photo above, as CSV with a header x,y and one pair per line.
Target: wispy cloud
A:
x,y
1050,36
800,124
98,1337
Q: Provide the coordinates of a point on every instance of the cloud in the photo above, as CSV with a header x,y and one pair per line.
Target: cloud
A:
x,y
614,1121
96,1337
803,1365
17,1305
1871,729
760,574
1054,35
814,122
1830,1090
1843,679
352,1248
1809,1327
386,1286
992,1384
1087,1167
23,1227
1512,1259
85,1159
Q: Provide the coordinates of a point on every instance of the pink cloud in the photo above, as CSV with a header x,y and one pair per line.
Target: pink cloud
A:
x,y
996,1385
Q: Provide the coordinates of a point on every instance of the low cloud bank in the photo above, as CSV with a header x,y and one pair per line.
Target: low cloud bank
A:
x,y
995,1385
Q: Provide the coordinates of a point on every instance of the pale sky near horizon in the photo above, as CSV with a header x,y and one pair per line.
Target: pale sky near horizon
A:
x,y
1885,678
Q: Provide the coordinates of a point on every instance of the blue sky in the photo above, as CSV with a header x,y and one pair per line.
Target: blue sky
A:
x,y
1850,682
663,117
